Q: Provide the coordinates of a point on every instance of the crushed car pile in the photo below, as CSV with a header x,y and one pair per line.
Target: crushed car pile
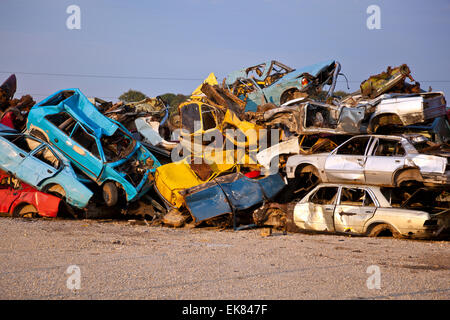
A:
x,y
271,146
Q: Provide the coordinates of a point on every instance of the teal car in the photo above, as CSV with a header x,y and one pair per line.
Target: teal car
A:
x,y
99,148
274,82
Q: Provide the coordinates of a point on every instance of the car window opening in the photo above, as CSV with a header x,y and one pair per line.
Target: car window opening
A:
x,y
46,156
22,142
356,197
325,195
356,146
116,147
189,115
86,141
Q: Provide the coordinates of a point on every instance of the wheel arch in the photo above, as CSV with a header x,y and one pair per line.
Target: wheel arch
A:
x,y
406,174
17,207
38,133
372,224
51,185
381,119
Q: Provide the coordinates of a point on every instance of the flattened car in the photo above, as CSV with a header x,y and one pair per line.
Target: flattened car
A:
x,y
101,148
230,194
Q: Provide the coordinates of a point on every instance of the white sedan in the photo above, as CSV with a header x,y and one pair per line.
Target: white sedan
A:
x,y
374,211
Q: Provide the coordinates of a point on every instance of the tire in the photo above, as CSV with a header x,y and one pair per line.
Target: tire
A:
x,y
110,194
57,191
383,229
25,210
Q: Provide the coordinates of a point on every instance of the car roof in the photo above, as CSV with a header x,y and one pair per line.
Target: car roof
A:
x,y
346,185
380,136
74,102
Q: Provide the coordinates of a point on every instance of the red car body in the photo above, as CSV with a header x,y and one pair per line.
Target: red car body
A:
x,y
12,199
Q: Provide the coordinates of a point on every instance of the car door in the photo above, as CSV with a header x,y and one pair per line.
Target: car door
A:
x,y
190,133
15,148
41,164
86,154
317,212
354,207
5,194
384,158
346,162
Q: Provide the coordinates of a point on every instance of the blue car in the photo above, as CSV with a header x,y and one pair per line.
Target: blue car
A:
x,y
98,147
230,194
36,163
274,82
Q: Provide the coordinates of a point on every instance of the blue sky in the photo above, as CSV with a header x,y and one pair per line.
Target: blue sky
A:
x,y
188,39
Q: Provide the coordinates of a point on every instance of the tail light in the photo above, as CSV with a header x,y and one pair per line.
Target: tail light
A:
x,y
304,82
253,174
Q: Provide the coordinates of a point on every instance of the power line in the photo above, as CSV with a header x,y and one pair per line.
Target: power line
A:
x,y
151,78
46,95
101,76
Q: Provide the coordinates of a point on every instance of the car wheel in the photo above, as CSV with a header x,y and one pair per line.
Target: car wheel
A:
x,y
25,211
110,194
383,230
57,190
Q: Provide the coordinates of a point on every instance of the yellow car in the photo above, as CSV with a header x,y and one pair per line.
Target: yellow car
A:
x,y
200,122
174,177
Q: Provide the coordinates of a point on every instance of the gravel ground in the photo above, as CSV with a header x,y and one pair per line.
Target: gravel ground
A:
x,y
122,261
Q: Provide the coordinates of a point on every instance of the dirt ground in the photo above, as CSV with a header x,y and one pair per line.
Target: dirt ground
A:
x,y
119,260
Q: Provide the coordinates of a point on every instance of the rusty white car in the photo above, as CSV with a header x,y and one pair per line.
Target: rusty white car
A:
x,y
372,159
374,211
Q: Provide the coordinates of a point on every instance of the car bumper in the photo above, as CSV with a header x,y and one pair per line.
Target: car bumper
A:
x,y
436,179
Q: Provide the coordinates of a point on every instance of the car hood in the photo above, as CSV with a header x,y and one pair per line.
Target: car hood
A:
x,y
313,70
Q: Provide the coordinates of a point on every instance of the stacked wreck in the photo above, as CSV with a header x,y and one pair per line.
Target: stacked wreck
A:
x,y
270,146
